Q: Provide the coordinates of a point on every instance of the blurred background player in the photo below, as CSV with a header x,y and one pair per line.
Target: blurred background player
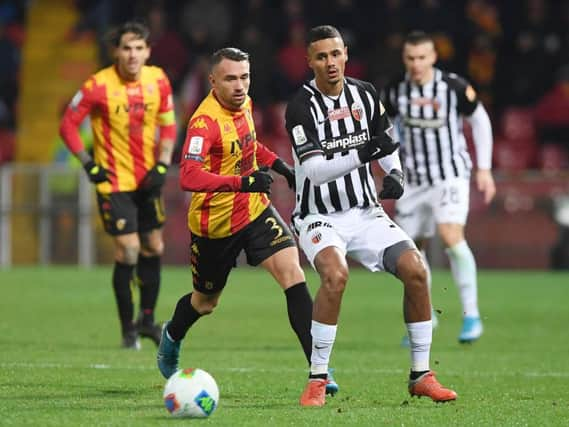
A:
x,y
224,165
127,103
337,128
428,105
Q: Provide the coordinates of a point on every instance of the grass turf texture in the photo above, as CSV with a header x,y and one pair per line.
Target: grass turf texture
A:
x,y
61,365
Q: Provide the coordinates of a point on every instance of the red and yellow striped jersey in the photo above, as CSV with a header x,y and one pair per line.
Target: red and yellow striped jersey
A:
x,y
221,146
125,118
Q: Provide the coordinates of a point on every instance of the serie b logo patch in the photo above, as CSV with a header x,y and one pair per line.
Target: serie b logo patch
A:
x,y
316,238
298,135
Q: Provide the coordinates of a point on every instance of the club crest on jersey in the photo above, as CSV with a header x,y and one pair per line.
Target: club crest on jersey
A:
x,y
316,238
357,111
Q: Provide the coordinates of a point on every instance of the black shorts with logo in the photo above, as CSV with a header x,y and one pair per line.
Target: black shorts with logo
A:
x,y
131,212
213,259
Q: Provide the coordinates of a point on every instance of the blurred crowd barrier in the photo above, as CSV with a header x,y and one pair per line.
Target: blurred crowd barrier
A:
x,y
48,215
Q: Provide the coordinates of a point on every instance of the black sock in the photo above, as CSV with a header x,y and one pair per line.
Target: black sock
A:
x,y
413,375
185,315
148,275
299,306
122,275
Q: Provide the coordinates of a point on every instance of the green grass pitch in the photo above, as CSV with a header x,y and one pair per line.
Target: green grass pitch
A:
x,y
61,365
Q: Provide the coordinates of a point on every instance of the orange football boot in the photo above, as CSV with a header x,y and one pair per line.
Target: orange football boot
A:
x,y
427,385
314,394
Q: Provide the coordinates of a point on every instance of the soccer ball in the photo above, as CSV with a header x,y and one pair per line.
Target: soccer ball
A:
x,y
191,393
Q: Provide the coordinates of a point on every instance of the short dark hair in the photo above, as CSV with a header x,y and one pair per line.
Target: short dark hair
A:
x,y
134,27
231,53
322,32
417,37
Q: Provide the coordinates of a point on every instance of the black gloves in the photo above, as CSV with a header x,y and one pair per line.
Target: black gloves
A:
x,y
285,170
258,182
96,173
155,178
377,147
392,185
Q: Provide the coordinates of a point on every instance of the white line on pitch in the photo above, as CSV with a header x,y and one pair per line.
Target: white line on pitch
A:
x,y
44,365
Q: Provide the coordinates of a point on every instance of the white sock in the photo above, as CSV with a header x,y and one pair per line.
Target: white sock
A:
x,y
323,337
463,267
420,337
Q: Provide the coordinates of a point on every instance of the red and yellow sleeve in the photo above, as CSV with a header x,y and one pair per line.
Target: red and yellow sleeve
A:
x,y
81,104
194,165
265,157
166,116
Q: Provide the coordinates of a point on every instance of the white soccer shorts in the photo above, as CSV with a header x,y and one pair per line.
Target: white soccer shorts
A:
x,y
361,234
421,208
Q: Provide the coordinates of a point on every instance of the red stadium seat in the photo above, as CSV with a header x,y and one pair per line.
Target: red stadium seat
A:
x,y
276,119
514,155
553,158
518,123
259,119
7,145
280,144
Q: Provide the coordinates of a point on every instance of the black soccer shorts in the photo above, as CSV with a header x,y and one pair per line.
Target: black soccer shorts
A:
x,y
213,259
131,212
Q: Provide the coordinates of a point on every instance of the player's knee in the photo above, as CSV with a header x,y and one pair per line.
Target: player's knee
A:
x,y
154,249
451,234
417,279
334,280
206,307
203,303
290,275
130,253
412,270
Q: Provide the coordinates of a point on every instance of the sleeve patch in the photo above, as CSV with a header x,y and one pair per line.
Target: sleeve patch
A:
x,y
470,93
193,157
76,100
298,135
196,145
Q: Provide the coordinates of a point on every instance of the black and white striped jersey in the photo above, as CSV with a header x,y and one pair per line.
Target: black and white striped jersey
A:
x,y
318,124
429,120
